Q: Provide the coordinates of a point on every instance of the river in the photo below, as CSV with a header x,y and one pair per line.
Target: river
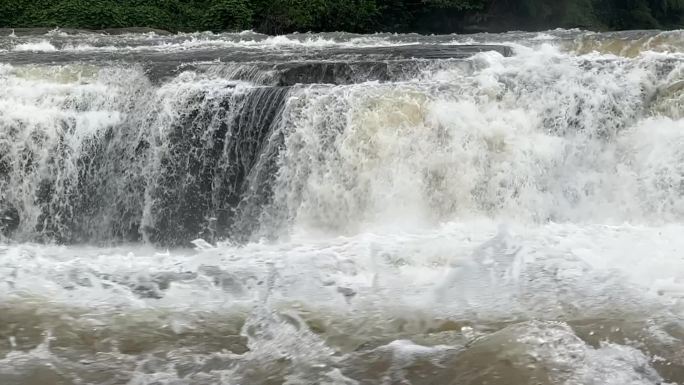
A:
x,y
238,209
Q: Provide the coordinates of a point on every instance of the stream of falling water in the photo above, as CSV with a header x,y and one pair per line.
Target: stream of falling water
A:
x,y
239,209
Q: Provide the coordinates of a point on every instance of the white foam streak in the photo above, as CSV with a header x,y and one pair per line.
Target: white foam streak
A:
x,y
40,46
195,42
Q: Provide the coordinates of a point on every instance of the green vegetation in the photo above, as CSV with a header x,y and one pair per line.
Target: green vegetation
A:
x,y
281,16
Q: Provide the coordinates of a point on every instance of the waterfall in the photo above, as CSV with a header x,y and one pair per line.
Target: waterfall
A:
x,y
342,209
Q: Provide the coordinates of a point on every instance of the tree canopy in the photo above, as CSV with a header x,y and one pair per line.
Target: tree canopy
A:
x,y
282,16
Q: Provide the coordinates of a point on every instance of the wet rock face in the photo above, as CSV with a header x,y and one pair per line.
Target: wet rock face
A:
x,y
204,169
9,221
332,73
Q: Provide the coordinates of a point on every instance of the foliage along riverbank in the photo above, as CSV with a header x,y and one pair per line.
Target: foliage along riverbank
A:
x,y
364,16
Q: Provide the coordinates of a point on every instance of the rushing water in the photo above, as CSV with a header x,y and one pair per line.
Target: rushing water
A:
x,y
342,209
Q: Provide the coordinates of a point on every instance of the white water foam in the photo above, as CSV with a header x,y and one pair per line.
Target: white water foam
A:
x,y
39,46
535,137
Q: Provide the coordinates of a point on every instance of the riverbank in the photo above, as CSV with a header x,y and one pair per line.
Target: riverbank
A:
x,y
358,16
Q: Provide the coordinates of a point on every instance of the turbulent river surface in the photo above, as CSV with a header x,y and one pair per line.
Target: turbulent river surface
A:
x,y
342,209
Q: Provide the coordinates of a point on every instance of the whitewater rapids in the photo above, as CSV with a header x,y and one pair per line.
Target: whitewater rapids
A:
x,y
342,209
